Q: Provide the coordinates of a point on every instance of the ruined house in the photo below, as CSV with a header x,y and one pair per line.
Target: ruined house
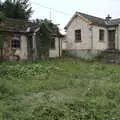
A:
x,y
18,41
87,35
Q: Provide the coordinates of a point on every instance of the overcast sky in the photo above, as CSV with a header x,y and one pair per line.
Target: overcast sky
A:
x,y
99,8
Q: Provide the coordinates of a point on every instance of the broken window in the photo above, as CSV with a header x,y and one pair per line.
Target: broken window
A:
x,y
77,35
101,35
15,41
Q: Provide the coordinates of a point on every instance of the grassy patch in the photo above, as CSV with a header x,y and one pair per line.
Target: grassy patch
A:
x,y
65,89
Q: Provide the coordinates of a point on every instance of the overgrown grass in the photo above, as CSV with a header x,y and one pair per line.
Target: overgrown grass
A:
x,y
64,89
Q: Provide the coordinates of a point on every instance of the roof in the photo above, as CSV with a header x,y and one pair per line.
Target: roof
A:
x,y
14,25
24,26
95,20
115,21
51,28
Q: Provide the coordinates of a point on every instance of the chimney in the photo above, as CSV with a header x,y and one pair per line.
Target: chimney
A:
x,y
108,19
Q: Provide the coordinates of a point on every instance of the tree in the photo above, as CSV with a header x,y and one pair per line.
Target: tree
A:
x,y
17,9
2,17
44,36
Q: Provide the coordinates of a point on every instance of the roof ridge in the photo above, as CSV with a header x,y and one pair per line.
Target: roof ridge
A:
x,y
95,20
90,15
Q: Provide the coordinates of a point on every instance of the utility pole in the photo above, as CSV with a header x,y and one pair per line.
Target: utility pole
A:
x,y
50,14
0,4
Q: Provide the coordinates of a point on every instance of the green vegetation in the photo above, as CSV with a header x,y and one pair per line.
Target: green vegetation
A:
x,y
63,89
17,9
44,37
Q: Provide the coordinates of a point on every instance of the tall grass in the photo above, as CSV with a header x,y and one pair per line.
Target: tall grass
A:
x,y
65,89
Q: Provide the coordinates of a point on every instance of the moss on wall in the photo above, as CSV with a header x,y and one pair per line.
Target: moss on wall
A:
x,y
84,54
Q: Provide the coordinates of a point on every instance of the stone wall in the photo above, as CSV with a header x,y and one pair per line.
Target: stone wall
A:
x,y
111,56
84,54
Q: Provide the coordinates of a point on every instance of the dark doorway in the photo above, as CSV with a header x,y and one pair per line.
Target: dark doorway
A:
x,y
30,47
111,39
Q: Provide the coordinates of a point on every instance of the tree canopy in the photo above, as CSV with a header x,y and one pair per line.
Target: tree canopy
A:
x,y
2,17
17,9
44,36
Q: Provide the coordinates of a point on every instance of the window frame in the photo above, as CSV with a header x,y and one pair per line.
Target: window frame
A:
x,y
78,35
16,41
101,35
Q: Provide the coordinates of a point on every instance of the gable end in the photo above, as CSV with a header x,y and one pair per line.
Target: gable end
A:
x,y
74,16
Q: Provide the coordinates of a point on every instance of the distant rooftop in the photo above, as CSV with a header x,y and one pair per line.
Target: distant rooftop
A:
x,y
17,25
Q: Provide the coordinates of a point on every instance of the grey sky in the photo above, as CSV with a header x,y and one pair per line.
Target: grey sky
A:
x,y
98,8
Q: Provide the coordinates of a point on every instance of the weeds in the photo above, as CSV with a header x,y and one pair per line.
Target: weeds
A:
x,y
64,89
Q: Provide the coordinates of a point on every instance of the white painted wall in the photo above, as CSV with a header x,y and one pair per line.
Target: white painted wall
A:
x,y
78,23
64,42
55,52
89,34
97,44
118,37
